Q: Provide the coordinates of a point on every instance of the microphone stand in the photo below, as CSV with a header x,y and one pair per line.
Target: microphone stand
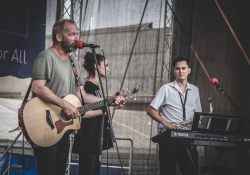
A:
x,y
243,117
241,113
106,109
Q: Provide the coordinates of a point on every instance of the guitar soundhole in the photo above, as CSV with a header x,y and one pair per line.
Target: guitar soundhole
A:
x,y
64,118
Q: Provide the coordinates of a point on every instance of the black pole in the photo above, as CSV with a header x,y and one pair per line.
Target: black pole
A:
x,y
105,99
59,10
106,109
101,142
242,134
6,151
23,155
232,102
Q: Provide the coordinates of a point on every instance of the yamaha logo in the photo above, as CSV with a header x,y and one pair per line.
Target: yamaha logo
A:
x,y
180,134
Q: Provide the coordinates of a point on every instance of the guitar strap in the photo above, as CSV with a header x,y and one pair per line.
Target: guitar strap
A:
x,y
24,101
76,77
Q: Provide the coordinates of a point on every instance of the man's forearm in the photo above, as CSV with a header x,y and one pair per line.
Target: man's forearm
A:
x,y
47,95
154,115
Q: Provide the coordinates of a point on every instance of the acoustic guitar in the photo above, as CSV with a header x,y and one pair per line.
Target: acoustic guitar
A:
x,y
46,123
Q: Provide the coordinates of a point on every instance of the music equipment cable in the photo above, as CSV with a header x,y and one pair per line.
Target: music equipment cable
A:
x,y
106,97
232,31
110,119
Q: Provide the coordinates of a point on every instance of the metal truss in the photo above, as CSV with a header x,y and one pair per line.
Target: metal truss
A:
x,y
166,55
167,42
72,9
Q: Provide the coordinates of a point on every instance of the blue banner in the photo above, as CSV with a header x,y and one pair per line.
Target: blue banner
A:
x,y
22,35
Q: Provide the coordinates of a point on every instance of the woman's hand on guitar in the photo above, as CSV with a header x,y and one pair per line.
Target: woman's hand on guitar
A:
x,y
70,111
169,125
119,100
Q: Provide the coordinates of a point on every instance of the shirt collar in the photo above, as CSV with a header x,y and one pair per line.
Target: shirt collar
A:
x,y
175,85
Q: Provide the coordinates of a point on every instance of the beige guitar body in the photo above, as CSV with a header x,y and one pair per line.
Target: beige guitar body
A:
x,y
35,114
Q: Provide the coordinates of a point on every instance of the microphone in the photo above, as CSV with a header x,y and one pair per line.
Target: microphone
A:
x,y
214,81
82,44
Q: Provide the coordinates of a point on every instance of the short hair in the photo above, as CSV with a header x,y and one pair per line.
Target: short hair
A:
x,y
179,59
58,27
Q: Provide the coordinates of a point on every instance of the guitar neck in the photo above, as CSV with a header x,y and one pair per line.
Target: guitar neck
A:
x,y
93,106
129,94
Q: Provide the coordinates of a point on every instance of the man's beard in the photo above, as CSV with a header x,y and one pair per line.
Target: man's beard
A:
x,y
67,47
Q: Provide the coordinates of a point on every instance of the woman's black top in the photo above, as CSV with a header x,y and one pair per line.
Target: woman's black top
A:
x,y
87,139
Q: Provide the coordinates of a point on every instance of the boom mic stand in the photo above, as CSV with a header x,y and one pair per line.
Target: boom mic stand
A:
x,y
244,118
106,109
241,113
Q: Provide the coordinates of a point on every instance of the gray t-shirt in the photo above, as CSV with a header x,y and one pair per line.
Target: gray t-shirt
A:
x,y
58,73
168,99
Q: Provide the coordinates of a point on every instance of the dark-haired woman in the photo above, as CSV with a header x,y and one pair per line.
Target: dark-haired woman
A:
x,y
87,140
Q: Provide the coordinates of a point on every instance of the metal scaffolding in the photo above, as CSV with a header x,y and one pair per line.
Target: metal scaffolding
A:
x,y
167,42
72,9
166,55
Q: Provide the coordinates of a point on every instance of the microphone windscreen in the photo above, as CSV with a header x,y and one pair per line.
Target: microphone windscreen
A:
x,y
79,44
214,80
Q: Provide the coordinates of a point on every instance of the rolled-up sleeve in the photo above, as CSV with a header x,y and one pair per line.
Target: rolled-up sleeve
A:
x,y
160,98
198,103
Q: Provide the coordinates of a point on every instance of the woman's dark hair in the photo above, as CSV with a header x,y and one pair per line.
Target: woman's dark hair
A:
x,y
89,63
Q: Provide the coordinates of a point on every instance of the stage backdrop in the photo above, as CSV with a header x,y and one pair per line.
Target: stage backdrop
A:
x,y
22,33
223,59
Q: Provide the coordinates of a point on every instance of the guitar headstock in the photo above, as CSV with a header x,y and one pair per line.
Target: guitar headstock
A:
x,y
130,94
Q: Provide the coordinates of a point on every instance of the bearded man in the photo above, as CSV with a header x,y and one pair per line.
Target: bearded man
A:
x,y
52,79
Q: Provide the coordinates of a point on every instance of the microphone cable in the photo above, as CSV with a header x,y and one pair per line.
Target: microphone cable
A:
x,y
106,115
110,118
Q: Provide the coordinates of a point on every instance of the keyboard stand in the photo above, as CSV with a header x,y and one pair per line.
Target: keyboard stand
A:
x,y
191,159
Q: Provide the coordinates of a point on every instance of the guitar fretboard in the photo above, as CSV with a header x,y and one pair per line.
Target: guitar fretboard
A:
x,y
93,106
